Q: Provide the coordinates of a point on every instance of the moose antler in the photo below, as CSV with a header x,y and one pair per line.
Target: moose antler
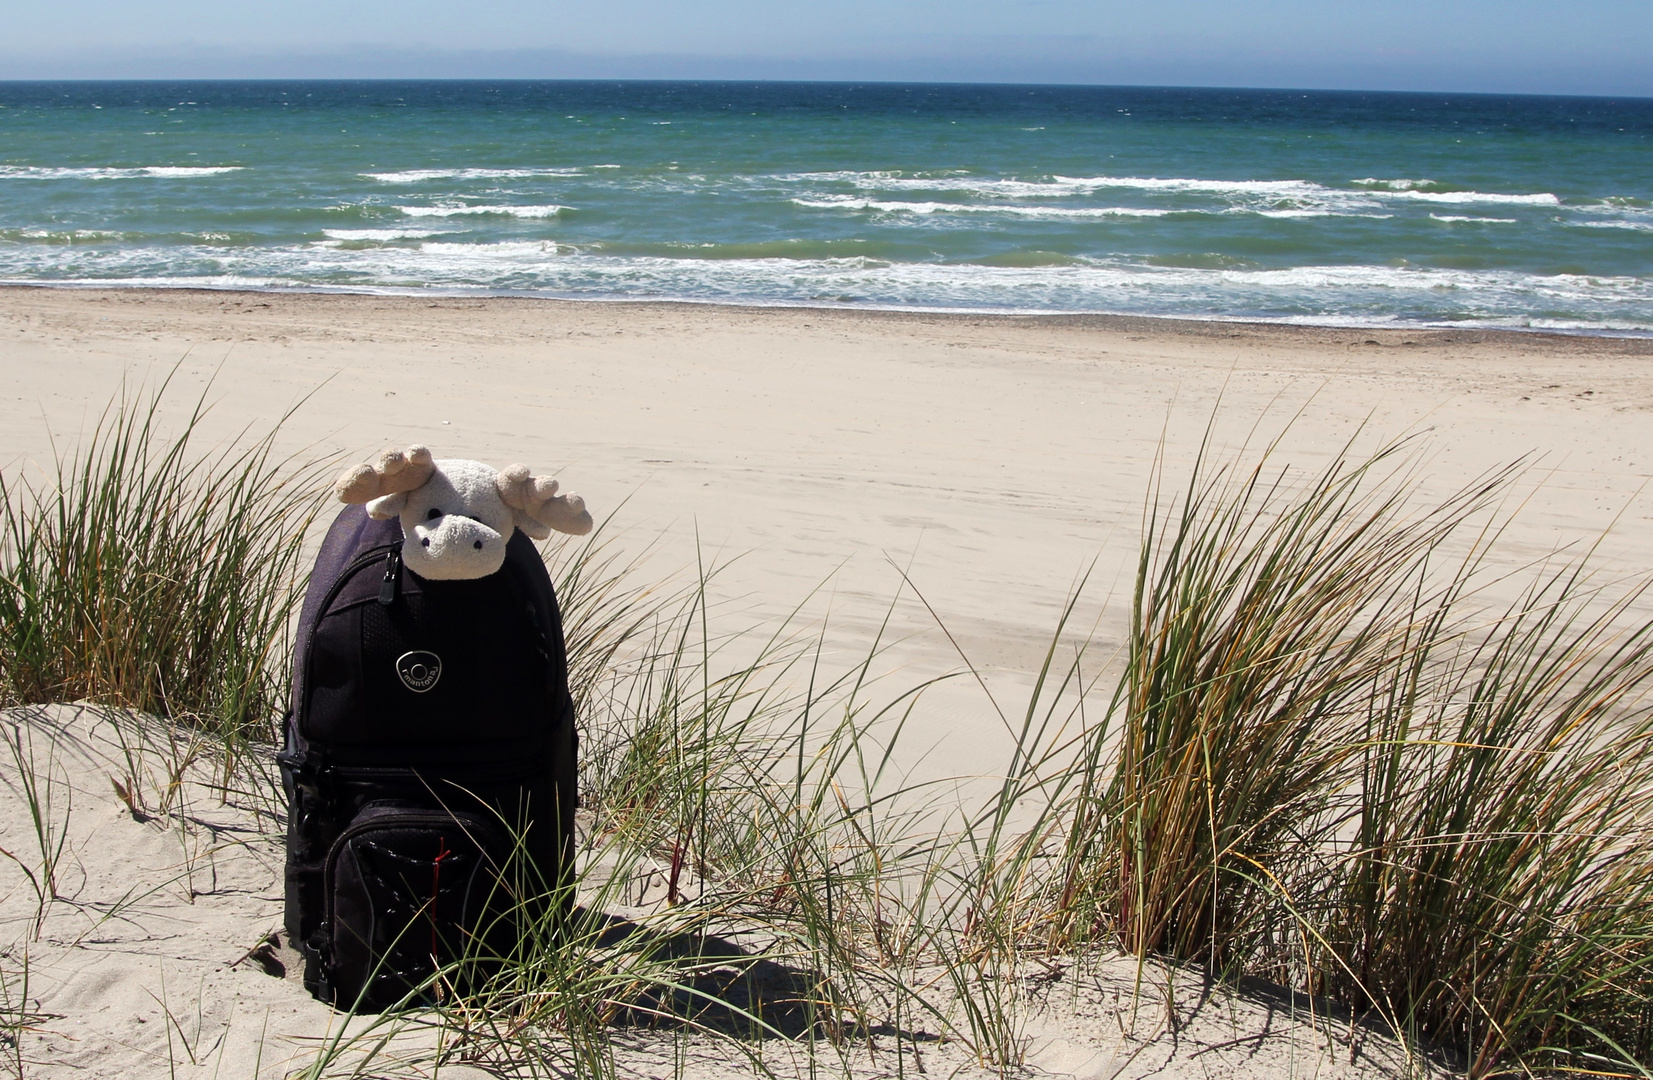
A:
x,y
396,472
536,498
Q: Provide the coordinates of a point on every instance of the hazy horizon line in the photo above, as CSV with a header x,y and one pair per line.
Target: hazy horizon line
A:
x,y
839,81
1513,76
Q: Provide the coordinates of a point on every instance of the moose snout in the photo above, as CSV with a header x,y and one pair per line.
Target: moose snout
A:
x,y
456,532
454,546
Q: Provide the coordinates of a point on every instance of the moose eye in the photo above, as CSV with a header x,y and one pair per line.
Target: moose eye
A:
x,y
433,515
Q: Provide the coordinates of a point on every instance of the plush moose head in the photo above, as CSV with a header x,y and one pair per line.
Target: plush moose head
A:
x,y
457,515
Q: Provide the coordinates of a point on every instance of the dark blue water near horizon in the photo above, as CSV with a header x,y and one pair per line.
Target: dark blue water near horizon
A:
x,y
1330,207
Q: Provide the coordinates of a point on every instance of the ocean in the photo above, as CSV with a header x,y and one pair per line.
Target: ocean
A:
x,y
1331,208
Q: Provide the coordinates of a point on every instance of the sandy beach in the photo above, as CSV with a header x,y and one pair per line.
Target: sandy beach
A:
x,y
992,460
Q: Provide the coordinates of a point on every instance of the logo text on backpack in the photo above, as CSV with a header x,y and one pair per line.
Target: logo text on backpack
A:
x,y
419,670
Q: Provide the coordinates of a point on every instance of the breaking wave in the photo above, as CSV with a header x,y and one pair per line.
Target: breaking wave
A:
x,y
547,211
417,176
1331,295
163,172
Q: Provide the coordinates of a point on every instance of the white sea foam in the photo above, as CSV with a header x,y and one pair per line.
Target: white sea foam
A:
x,y
1633,226
1276,188
1483,220
380,235
1056,186
172,172
1393,185
1289,214
1540,199
856,176
1587,325
849,202
75,234
173,281
457,211
1336,295
1014,189
1414,189
1312,199
165,172
503,249
416,176
954,180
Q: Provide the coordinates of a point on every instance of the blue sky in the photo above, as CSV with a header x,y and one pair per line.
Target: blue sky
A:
x,y
1585,46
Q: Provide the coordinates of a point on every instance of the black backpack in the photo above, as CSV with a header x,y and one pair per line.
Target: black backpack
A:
x,y
429,767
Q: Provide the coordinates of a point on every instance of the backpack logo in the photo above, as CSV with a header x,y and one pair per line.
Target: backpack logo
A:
x,y
419,670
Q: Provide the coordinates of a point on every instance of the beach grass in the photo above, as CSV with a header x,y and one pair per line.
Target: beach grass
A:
x,y
141,572
1330,761
1337,766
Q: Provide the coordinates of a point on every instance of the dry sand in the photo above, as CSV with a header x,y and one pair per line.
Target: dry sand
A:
x,y
154,961
992,458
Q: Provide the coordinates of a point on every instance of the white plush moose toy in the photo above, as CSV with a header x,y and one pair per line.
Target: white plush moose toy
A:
x,y
457,515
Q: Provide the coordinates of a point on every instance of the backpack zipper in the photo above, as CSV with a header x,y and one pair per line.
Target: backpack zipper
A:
x,y
462,777
356,566
392,578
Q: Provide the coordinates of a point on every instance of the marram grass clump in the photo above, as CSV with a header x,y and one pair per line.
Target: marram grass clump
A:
x,y
142,573
1332,764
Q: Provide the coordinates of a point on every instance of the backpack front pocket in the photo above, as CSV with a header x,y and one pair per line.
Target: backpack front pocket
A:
x,y
411,892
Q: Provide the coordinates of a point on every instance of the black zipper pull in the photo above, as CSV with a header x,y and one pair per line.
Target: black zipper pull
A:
x,y
393,574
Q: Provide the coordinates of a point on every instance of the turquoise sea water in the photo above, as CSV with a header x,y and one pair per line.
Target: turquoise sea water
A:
x,y
1313,207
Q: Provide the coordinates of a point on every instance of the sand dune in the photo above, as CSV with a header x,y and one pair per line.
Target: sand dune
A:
x,y
992,460
161,955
